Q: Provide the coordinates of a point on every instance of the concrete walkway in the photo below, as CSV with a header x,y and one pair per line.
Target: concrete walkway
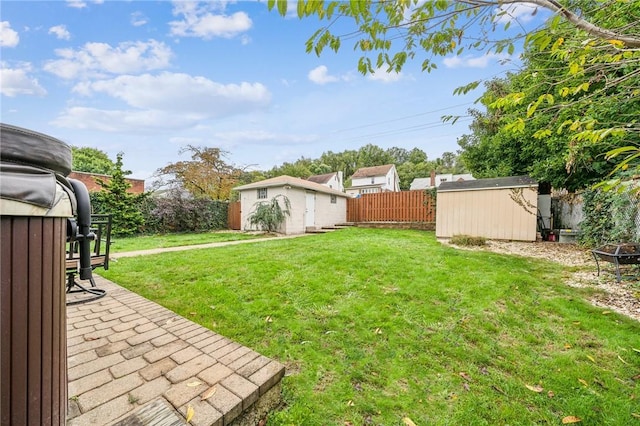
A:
x,y
200,246
130,359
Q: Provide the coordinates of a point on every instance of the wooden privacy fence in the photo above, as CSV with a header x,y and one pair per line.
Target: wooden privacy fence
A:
x,y
405,206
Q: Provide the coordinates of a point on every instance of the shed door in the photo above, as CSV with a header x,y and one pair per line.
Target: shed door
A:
x,y
310,210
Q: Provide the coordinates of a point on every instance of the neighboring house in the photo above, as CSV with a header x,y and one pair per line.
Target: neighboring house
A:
x,y
331,180
313,205
435,180
89,180
371,180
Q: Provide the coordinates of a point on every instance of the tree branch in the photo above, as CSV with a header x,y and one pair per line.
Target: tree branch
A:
x,y
556,7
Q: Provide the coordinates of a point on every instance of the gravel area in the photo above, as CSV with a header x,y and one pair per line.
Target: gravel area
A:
x,y
622,297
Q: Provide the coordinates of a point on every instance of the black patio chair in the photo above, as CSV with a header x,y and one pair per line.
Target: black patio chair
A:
x,y
100,241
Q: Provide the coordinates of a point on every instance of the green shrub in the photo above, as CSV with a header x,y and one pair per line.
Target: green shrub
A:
x,y
467,240
268,216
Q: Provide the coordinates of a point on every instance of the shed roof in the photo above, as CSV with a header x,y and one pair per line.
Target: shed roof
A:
x,y
291,181
322,178
493,183
372,171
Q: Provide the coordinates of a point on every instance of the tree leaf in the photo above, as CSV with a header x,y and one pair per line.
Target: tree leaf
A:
x,y
208,394
536,388
571,419
190,413
407,421
194,384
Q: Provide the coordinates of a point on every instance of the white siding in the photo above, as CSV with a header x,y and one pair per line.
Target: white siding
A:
x,y
490,213
326,214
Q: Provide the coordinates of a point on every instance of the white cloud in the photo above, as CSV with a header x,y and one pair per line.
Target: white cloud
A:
x,y
16,81
320,75
521,12
134,121
207,20
473,61
60,32
181,93
138,19
97,59
165,101
381,74
8,36
78,4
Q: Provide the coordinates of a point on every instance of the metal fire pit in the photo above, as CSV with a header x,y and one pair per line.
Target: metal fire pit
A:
x,y
618,254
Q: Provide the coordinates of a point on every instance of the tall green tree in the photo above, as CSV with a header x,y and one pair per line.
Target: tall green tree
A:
x,y
91,160
604,49
123,206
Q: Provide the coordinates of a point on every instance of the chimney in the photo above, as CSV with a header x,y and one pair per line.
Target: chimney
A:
x,y
433,178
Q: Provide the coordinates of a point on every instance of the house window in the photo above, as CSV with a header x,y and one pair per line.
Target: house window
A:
x,y
262,193
334,199
443,179
373,180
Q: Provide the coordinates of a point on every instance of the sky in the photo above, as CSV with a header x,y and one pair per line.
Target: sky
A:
x,y
148,78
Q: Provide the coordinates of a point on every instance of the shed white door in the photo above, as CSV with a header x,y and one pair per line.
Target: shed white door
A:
x,y
310,210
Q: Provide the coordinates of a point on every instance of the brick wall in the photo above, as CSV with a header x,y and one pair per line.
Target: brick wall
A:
x,y
137,185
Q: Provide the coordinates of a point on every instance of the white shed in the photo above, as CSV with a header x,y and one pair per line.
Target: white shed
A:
x,y
500,208
313,205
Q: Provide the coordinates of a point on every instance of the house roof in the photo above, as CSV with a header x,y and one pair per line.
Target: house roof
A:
x,y
420,183
322,178
494,183
291,181
372,171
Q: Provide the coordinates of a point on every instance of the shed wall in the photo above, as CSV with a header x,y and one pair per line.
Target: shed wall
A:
x,y
500,214
326,214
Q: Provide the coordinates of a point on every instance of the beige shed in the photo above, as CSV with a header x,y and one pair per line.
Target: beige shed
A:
x,y
499,209
313,205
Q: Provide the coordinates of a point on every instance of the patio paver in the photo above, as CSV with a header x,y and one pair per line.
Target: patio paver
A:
x,y
131,359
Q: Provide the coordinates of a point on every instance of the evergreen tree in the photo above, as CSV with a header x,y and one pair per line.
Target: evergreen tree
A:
x,y
113,199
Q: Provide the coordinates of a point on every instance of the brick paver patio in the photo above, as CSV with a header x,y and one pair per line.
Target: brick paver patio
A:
x,y
128,355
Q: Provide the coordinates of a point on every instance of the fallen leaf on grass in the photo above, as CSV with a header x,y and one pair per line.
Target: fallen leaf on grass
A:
x,y
190,413
465,376
378,331
591,359
268,319
209,393
606,312
637,350
576,323
584,382
497,388
350,403
550,394
536,388
567,346
193,313
194,384
620,358
636,415
407,421
571,419
466,387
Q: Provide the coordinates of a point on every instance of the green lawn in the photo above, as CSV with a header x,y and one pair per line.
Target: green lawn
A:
x,y
145,242
376,326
